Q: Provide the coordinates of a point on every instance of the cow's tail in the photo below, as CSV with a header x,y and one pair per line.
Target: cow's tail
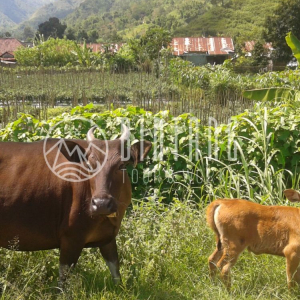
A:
x,y
210,218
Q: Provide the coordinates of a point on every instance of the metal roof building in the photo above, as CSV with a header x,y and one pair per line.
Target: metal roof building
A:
x,y
202,50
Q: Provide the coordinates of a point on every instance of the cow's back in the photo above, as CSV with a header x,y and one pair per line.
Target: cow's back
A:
x,y
32,198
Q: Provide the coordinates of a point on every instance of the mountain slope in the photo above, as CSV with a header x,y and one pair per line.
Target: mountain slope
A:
x,y
59,9
6,22
123,19
19,10
134,16
131,18
243,20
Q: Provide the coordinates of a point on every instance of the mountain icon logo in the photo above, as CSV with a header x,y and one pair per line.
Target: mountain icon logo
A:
x,y
68,160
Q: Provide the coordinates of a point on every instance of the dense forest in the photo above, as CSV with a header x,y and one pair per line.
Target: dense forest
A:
x,y
131,18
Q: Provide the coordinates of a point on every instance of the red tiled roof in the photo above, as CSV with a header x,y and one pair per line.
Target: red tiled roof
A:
x,y
211,46
9,45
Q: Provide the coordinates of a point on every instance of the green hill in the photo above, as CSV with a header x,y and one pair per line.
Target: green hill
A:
x,y
242,19
131,18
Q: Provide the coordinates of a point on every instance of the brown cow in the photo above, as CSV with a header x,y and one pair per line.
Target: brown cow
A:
x,y
43,211
240,224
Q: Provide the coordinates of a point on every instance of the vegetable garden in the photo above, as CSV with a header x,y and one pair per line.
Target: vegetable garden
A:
x,y
34,91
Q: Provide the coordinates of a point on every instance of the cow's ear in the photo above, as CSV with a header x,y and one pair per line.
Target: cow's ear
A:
x,y
139,151
292,195
72,151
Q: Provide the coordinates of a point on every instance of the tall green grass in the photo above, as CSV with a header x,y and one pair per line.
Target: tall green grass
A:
x,y
163,251
251,177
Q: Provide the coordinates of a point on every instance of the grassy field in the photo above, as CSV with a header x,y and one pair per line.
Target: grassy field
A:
x,y
163,251
164,248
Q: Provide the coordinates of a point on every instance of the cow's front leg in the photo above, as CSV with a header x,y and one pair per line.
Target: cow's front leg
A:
x,y
110,255
69,254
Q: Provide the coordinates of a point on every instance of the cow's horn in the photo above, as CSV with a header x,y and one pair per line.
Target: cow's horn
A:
x,y
125,134
90,135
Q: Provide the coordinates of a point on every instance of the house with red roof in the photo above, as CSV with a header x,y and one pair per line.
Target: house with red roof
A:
x,y
7,48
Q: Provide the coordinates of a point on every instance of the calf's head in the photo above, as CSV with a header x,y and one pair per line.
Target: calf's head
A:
x,y
292,195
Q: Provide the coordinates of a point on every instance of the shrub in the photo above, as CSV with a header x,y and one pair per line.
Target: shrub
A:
x,y
255,156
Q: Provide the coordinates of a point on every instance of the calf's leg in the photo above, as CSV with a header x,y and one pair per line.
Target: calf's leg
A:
x,y
110,255
231,252
292,255
213,260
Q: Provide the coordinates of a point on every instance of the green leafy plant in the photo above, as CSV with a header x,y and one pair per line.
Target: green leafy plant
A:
x,y
256,155
294,44
275,93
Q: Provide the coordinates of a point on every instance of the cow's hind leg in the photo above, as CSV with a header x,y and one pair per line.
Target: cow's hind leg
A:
x,y
110,255
292,254
213,260
69,254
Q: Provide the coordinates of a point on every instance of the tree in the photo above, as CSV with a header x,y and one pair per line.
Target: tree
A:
x,y
147,49
217,2
71,34
28,33
82,35
154,40
53,52
286,18
93,36
113,37
52,28
259,57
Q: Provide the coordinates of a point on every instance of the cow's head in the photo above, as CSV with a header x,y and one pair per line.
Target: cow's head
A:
x,y
108,184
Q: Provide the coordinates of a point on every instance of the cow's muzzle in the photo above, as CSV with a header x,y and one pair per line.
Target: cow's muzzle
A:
x,y
104,206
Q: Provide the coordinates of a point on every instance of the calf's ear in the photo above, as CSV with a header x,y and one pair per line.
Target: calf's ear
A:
x,y
139,151
292,195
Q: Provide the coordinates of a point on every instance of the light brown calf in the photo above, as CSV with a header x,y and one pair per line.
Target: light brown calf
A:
x,y
241,224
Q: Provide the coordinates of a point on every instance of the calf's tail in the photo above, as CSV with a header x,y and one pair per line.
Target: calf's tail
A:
x,y
210,218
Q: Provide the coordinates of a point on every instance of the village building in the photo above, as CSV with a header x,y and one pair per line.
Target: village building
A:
x,y
7,48
201,50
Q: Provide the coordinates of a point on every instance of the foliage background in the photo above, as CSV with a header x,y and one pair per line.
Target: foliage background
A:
x,y
190,160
